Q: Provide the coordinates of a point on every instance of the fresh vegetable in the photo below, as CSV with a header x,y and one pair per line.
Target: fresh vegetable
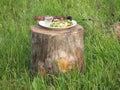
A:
x,y
60,23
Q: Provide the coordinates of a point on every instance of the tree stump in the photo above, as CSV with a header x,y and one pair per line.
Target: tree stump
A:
x,y
117,30
54,51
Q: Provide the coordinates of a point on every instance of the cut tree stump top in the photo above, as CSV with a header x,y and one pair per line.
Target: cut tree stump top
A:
x,y
38,29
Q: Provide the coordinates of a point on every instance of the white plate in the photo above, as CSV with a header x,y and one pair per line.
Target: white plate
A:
x,y
45,25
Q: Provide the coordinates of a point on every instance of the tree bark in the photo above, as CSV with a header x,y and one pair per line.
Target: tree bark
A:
x,y
54,51
117,30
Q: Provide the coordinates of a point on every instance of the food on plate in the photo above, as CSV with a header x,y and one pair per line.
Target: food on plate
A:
x,y
59,23
48,18
40,18
55,21
69,17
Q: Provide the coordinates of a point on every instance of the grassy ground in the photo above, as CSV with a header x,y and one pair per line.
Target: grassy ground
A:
x,y
102,50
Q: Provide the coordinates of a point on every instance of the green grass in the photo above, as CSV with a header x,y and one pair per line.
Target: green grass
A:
x,y
101,53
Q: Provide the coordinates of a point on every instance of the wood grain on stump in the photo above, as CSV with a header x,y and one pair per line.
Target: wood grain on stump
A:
x,y
54,51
